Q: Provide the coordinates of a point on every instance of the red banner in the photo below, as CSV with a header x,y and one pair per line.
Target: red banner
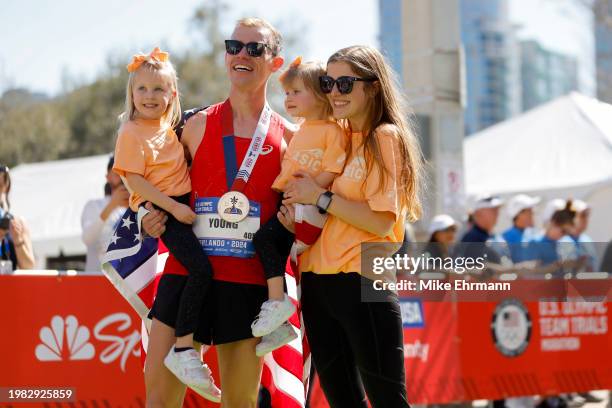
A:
x,y
76,331
73,332
457,350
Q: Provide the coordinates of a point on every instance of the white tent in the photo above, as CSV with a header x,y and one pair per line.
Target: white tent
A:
x,y
561,149
50,197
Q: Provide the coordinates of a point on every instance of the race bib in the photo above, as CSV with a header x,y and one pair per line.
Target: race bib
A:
x,y
222,238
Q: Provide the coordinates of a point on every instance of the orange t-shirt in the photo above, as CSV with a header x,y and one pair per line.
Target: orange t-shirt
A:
x,y
145,147
318,146
338,249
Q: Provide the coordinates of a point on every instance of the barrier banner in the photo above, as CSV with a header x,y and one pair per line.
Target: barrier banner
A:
x,y
78,333
545,337
72,332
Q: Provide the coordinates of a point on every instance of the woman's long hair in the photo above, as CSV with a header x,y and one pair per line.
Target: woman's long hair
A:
x,y
387,107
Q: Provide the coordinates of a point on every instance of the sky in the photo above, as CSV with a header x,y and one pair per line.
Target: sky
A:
x,y
42,42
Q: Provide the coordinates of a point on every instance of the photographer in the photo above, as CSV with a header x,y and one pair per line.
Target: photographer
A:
x,y
100,216
15,242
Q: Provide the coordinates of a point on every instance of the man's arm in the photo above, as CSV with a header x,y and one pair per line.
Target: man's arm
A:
x,y
193,132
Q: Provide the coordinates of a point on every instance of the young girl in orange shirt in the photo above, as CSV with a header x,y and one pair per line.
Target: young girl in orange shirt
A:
x,y
316,148
150,159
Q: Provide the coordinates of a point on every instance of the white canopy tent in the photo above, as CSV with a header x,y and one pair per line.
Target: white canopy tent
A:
x,y
50,196
562,149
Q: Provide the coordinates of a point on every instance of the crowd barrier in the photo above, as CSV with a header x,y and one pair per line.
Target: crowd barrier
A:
x,y
77,331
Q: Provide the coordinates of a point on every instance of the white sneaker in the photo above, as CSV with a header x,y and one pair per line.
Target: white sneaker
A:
x,y
278,338
188,368
273,313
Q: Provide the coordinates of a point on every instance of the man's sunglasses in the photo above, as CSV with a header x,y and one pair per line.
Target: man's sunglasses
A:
x,y
254,49
345,83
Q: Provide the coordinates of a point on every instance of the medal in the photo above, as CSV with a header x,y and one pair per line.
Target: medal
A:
x,y
233,206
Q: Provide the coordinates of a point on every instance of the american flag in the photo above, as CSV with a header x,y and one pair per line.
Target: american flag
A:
x,y
132,264
286,370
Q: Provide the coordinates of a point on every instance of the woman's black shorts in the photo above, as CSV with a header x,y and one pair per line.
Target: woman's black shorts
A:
x,y
227,313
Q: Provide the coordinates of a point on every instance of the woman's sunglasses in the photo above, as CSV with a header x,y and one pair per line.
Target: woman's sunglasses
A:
x,y
345,83
254,49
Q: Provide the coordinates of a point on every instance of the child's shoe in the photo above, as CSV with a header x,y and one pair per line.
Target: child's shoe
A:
x,y
278,338
273,313
188,368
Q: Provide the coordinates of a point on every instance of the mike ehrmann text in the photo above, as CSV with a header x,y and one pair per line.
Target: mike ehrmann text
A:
x,y
437,285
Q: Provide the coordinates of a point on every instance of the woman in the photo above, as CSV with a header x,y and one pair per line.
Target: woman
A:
x,y
442,230
15,242
355,342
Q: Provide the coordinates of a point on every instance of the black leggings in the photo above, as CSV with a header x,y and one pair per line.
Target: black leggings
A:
x,y
186,248
354,344
272,243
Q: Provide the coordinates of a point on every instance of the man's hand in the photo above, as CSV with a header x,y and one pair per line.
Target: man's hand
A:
x,y
154,223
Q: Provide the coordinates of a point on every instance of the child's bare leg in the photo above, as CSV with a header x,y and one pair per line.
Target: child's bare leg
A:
x,y
276,288
184,341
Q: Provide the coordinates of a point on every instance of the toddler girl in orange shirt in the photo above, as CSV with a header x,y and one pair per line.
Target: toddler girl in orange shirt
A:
x,y
318,148
150,159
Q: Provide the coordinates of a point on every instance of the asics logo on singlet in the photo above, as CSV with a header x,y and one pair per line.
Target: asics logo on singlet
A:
x,y
266,149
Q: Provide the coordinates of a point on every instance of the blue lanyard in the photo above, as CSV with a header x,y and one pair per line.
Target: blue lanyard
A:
x,y
231,162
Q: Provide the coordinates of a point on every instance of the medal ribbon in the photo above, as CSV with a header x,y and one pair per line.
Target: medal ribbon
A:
x,y
238,178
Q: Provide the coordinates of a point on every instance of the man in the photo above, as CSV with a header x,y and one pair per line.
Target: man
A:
x,y
99,217
520,210
484,218
217,140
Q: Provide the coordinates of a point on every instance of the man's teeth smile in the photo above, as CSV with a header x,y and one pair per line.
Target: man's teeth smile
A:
x,y
242,68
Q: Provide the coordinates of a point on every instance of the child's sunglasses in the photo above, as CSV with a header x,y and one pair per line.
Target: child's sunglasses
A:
x,y
254,49
345,83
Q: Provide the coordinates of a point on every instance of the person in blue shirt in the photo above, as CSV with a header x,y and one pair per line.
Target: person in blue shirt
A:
x,y
546,249
520,210
582,243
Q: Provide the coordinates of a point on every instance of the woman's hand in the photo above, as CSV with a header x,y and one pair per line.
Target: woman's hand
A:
x,y
286,215
303,190
154,223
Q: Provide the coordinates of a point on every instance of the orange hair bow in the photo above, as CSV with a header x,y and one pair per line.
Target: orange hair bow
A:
x,y
138,59
296,62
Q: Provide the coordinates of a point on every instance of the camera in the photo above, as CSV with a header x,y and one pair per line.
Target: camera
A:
x,y
5,221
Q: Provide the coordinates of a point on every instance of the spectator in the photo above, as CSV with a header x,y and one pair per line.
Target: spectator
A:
x,y
520,210
442,232
100,216
483,218
606,263
15,242
546,248
582,243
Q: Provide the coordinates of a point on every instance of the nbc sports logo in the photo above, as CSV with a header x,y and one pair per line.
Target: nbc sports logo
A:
x,y
64,333
67,340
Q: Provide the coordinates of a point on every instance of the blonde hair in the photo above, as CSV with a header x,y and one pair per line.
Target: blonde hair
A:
x,y
274,37
387,108
309,73
173,113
